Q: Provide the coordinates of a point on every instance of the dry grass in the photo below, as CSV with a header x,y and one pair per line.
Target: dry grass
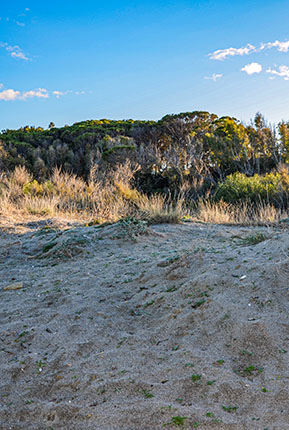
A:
x,y
158,209
42,206
242,214
217,213
111,197
101,199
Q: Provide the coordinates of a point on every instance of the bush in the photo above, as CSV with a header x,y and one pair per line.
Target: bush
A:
x,y
272,188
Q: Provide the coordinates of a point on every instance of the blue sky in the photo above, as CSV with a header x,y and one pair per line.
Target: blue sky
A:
x,y
70,61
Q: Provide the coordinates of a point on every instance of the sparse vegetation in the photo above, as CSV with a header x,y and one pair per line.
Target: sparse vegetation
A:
x,y
148,394
230,409
254,239
112,322
196,378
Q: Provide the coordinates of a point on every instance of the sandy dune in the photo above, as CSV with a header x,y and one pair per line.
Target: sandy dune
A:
x,y
130,327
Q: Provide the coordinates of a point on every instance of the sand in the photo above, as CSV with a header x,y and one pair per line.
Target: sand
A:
x,y
135,327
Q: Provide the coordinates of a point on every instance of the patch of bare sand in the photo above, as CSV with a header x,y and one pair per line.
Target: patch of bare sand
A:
x,y
131,327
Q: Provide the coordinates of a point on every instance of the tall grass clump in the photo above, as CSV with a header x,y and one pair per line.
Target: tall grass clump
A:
x,y
244,213
158,209
103,197
62,194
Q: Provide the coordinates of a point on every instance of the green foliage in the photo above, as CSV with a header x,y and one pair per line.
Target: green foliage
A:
x,y
272,188
196,378
178,420
230,409
251,369
116,149
196,149
148,394
198,304
35,189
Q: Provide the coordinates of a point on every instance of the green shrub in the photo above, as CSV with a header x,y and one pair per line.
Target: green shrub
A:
x,y
117,148
34,188
271,188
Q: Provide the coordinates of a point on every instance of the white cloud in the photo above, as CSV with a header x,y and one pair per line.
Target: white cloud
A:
x,y
58,93
222,54
18,54
8,95
64,93
283,72
252,68
214,77
21,24
281,46
39,93
14,51
11,94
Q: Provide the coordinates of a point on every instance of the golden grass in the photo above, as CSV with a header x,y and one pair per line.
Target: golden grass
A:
x,y
68,196
63,195
242,214
111,197
41,206
158,209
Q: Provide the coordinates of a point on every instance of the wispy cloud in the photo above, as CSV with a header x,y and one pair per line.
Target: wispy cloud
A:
x,y
283,72
39,93
222,54
252,68
214,77
19,54
58,94
281,46
18,19
25,12
14,51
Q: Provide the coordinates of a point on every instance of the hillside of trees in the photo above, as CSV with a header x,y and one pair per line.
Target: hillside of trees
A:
x,y
196,150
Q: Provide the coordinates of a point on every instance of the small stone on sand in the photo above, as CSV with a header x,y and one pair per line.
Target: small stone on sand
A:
x,y
15,286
